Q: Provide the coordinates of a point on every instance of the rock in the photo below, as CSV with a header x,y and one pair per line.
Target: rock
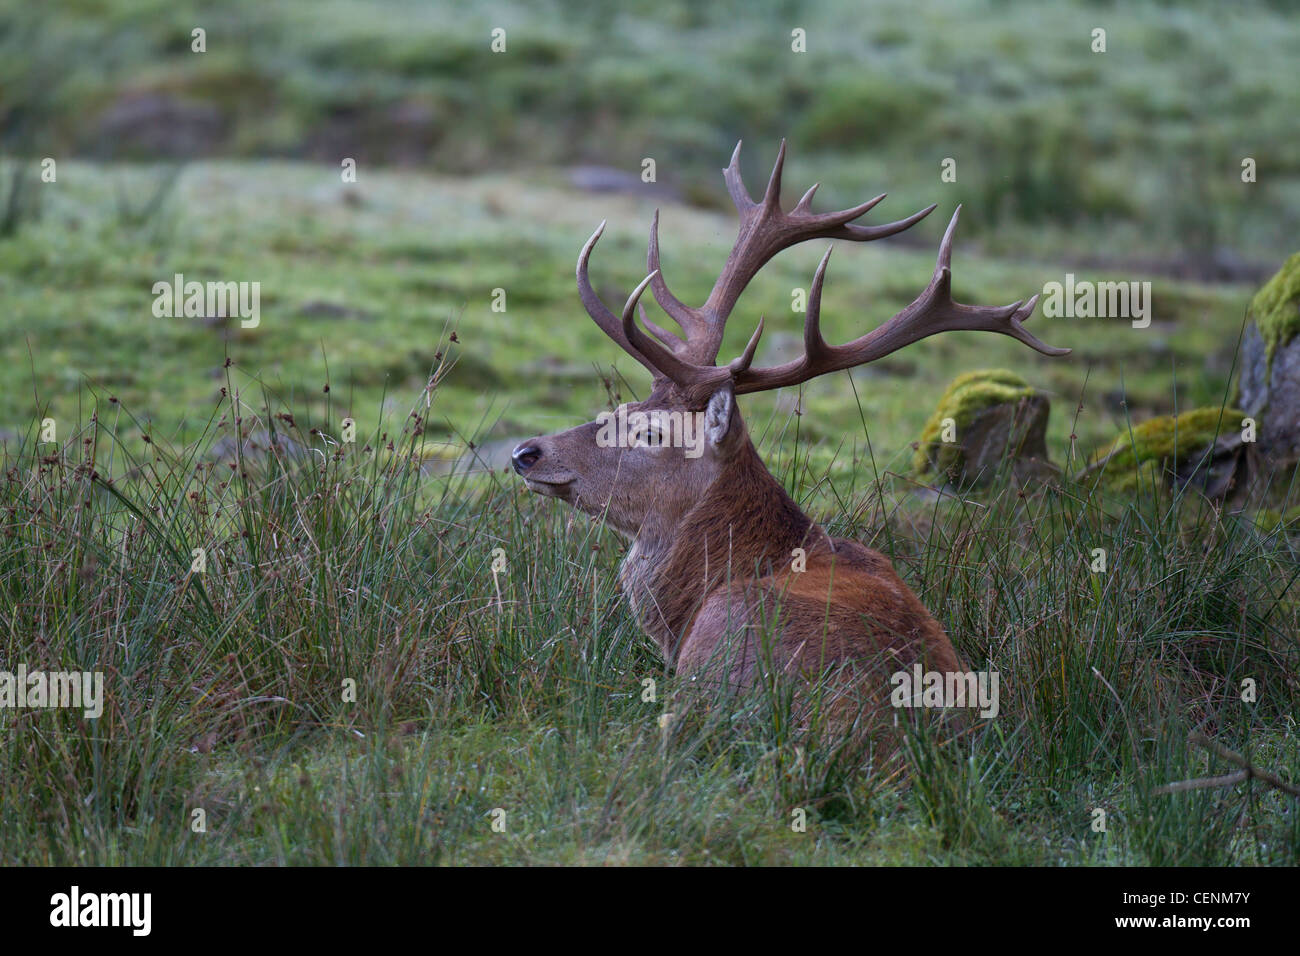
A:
x,y
1201,448
1270,393
607,179
997,422
1015,431
324,309
1268,388
1219,472
154,125
402,133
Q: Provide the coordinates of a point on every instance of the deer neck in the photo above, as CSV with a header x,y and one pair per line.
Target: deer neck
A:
x,y
744,525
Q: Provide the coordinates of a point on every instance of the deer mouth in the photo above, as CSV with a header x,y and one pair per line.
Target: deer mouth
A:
x,y
552,488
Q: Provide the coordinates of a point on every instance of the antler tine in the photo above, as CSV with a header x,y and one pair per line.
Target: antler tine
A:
x,y
609,323
933,311
689,319
813,343
805,202
743,361
772,195
868,233
1014,314
664,361
765,230
662,334
735,184
944,259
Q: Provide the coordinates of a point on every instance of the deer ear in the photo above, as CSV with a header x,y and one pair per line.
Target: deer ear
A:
x,y
717,417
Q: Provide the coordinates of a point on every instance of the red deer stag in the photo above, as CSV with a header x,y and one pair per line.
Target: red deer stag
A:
x,y
714,535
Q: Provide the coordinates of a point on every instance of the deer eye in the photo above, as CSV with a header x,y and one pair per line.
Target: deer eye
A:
x,y
648,436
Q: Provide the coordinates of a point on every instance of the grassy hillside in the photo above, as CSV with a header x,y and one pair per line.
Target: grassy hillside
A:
x,y
362,284
1130,154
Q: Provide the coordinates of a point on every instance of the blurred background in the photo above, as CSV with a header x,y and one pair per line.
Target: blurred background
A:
x,y
480,170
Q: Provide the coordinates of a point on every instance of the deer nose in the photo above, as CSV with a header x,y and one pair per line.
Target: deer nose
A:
x,y
525,456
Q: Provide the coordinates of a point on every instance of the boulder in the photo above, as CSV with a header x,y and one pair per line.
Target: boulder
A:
x,y
1268,388
996,422
158,125
1201,448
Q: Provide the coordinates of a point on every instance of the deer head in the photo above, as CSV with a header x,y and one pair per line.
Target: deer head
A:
x,y
632,469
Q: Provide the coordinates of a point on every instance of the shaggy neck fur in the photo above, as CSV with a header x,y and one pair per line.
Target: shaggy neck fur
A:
x,y
744,525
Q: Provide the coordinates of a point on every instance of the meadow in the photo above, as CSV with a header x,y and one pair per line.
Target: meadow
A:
x,y
393,654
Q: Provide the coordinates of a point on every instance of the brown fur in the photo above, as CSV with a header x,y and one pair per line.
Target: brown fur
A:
x,y
731,563
710,572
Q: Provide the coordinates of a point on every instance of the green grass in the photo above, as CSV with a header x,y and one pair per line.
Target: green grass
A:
x,y
363,283
226,688
228,691
367,566
1131,154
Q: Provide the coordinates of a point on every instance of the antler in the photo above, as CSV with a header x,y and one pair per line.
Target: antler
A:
x,y
766,230
933,311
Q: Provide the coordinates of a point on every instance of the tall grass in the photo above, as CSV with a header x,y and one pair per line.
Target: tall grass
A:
x,y
518,714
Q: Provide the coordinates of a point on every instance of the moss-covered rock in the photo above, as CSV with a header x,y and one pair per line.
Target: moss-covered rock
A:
x,y
1269,385
995,413
1169,448
1275,308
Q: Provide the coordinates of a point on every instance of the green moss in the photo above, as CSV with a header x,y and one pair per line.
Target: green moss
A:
x,y
1276,307
1140,456
967,396
1269,519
